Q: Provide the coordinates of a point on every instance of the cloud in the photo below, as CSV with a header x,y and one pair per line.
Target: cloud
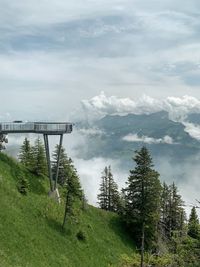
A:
x,y
148,140
91,131
180,107
102,105
192,129
177,107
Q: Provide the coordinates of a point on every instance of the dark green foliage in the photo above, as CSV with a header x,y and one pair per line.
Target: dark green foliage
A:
x,y
102,197
73,190
177,214
39,164
22,183
142,199
81,236
25,155
193,225
186,251
108,197
172,211
33,157
64,166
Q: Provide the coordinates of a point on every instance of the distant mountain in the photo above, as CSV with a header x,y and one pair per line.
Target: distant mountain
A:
x,y
194,118
120,136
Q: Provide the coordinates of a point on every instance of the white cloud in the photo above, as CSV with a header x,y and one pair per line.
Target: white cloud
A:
x,y
180,107
91,131
192,129
177,107
102,105
148,140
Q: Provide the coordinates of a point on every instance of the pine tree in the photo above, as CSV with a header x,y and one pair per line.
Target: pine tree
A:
x,y
113,193
25,155
165,211
193,225
176,211
172,211
64,166
109,198
73,190
22,183
103,195
142,200
39,165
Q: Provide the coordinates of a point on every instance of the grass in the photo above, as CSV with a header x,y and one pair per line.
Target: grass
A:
x,y
31,234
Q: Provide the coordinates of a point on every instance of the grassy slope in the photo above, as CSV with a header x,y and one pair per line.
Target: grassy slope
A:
x,y
31,234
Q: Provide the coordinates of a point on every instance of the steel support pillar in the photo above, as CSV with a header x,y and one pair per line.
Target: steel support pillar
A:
x,y
46,143
58,161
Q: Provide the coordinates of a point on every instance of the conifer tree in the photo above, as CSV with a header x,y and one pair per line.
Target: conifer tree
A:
x,y
113,193
172,211
39,166
73,190
23,185
64,166
109,198
142,201
165,210
193,224
176,210
103,195
25,155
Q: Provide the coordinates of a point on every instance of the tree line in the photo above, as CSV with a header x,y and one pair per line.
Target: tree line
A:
x,y
153,213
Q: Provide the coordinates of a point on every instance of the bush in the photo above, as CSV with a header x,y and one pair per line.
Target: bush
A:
x,y
81,236
23,185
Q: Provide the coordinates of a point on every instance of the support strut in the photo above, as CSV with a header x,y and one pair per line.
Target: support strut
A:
x,y
58,161
46,143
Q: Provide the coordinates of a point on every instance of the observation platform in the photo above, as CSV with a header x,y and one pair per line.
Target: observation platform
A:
x,y
49,128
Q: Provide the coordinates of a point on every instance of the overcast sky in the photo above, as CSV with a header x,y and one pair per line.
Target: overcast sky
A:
x,y
54,53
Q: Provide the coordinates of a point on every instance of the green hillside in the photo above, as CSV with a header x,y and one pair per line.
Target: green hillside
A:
x,y
31,233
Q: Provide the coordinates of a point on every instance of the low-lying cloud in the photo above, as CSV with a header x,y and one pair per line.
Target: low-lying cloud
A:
x,y
148,140
192,129
91,131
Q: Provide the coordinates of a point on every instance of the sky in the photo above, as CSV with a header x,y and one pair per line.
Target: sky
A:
x,y
55,53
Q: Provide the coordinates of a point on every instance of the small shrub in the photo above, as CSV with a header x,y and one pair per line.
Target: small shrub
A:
x,y
23,185
81,236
